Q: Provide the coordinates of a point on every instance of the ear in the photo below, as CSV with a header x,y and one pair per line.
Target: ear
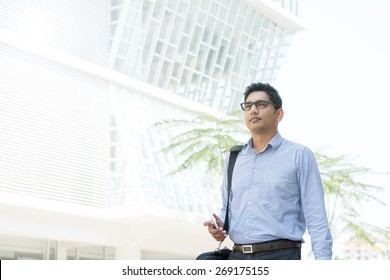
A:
x,y
279,115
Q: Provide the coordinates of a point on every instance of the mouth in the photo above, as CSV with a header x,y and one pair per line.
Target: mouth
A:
x,y
255,119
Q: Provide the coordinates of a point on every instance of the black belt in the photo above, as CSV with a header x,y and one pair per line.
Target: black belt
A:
x,y
267,246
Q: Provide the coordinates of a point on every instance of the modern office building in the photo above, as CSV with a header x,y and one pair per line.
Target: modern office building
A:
x,y
82,83
354,250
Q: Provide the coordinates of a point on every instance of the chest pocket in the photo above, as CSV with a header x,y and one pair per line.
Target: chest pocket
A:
x,y
278,182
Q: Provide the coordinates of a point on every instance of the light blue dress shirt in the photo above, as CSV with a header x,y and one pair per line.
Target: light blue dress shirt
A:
x,y
276,194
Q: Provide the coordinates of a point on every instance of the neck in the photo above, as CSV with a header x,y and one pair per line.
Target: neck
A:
x,y
259,141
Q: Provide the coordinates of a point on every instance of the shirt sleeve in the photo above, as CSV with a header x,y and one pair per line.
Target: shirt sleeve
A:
x,y
313,205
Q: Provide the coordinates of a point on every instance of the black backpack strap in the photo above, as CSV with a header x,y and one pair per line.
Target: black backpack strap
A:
x,y
232,160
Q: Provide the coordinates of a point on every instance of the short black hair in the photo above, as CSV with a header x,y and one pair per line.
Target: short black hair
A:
x,y
268,89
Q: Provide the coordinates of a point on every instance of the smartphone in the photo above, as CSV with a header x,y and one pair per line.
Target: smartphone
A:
x,y
214,221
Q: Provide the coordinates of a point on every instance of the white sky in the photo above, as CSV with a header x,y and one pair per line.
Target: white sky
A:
x,y
335,87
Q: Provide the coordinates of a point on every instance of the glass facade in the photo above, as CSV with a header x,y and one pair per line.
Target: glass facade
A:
x,y
139,167
206,51
290,5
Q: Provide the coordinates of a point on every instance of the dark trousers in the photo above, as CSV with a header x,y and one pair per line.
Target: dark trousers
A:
x,y
282,254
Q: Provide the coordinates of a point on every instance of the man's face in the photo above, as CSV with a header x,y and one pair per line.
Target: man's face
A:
x,y
265,120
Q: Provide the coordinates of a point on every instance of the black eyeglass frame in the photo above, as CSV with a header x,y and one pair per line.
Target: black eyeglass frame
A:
x,y
257,104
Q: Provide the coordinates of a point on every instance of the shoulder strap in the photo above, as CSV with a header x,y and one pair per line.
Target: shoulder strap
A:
x,y
232,160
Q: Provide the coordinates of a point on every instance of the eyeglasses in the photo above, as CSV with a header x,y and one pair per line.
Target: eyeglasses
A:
x,y
260,105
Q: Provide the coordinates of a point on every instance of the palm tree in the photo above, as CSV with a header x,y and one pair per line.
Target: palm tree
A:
x,y
206,139
344,193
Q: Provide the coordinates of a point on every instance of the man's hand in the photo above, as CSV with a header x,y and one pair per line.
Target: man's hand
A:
x,y
217,233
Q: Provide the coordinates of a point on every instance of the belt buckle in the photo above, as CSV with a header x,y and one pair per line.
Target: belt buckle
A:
x,y
247,249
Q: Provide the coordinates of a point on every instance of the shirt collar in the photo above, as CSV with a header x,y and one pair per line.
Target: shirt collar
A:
x,y
274,143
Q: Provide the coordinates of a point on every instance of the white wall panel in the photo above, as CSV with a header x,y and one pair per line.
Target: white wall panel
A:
x,y
54,135
77,27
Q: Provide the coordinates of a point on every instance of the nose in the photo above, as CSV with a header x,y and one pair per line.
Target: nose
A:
x,y
254,108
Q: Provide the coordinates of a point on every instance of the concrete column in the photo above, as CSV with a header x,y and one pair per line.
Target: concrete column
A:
x,y
127,253
62,252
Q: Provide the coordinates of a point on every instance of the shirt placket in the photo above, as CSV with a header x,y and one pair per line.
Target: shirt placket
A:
x,y
251,194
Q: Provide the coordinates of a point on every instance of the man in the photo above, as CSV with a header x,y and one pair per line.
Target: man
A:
x,y
276,189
